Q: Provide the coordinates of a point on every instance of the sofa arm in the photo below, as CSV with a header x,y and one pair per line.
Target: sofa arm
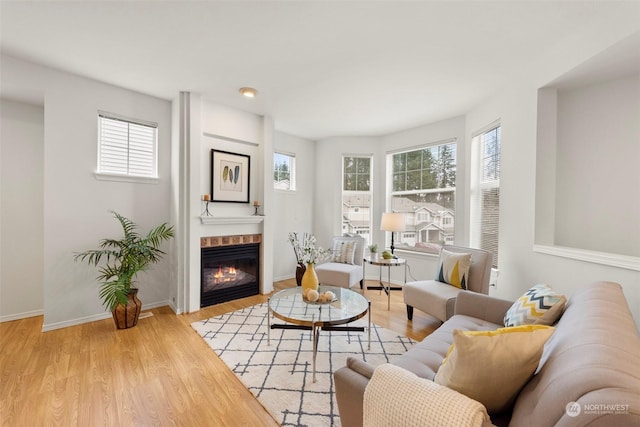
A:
x,y
350,382
482,306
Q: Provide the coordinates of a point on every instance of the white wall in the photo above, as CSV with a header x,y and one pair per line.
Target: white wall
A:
x,y
292,210
75,204
598,153
21,210
516,106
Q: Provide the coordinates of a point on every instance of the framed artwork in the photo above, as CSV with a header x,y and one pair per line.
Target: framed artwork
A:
x,y
230,177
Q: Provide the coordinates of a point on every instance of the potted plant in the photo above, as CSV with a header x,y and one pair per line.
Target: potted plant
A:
x,y
123,260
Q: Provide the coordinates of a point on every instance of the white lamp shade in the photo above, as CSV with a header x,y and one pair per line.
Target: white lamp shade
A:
x,y
392,222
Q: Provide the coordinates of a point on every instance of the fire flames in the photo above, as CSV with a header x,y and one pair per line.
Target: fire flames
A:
x,y
224,274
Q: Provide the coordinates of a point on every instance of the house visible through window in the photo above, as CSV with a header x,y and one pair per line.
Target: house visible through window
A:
x,y
423,185
284,171
126,147
356,196
485,190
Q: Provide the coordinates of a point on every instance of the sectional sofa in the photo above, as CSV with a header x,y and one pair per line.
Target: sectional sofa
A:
x,y
588,374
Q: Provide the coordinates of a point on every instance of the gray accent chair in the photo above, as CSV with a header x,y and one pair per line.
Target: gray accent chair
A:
x,y
341,274
438,299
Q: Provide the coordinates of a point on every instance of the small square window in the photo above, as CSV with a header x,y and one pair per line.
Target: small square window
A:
x,y
126,147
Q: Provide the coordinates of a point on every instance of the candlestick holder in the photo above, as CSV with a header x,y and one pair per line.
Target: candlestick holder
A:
x,y
256,212
206,212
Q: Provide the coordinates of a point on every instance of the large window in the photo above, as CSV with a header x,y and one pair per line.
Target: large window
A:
x,y
485,190
284,171
356,196
423,185
126,147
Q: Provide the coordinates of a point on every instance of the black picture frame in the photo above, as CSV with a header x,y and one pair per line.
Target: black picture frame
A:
x,y
230,177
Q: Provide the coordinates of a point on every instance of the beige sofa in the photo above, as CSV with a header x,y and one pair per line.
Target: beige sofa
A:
x,y
593,358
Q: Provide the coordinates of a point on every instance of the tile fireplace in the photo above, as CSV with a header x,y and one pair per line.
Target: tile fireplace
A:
x,y
230,268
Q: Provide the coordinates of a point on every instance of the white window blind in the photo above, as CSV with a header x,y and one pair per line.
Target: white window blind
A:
x,y
486,191
126,146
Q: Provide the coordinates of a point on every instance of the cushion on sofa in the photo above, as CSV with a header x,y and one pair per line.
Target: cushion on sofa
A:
x,y
540,305
492,366
425,357
453,268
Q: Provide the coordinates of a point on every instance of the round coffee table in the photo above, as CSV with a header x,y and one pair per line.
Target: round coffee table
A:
x,y
288,305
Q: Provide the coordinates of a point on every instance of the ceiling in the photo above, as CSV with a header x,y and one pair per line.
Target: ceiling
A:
x,y
321,68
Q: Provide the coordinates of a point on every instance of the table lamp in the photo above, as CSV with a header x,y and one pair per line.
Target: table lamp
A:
x,y
392,222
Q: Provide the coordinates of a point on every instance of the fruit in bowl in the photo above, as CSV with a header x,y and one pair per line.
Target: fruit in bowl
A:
x,y
387,255
312,295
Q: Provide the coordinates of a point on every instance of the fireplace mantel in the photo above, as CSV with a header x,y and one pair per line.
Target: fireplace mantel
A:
x,y
225,220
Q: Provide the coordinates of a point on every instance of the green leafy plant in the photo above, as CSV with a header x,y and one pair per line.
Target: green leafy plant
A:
x,y
124,259
373,248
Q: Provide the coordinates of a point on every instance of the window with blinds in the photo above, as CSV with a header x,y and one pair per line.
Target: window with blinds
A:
x,y
485,192
126,147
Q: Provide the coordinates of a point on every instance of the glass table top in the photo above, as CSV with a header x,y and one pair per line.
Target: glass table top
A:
x,y
288,305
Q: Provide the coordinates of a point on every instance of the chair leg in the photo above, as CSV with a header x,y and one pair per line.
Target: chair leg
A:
x,y
361,284
409,312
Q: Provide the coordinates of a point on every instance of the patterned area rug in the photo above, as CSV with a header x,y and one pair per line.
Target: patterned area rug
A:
x,y
280,375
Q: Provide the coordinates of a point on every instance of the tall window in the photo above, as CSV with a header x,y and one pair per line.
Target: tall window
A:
x,y
423,183
284,171
485,190
127,147
356,196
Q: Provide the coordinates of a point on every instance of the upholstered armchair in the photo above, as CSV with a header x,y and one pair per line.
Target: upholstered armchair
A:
x,y
344,269
437,298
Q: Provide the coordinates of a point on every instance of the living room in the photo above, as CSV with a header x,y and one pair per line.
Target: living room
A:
x,y
53,205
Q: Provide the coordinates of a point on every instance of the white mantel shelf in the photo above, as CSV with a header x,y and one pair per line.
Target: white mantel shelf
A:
x,y
225,220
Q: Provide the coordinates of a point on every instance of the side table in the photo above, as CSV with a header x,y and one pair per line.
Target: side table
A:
x,y
381,262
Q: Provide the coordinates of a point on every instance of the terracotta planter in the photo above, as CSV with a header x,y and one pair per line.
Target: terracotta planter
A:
x,y
126,316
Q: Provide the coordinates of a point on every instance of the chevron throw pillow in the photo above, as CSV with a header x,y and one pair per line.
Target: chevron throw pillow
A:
x,y
540,305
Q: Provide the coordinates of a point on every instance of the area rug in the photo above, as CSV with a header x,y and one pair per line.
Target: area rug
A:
x,y
280,375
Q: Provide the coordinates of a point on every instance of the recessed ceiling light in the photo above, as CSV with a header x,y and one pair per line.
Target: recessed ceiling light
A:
x,y
249,92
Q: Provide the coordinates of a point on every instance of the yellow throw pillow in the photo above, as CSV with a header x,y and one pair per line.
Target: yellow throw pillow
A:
x,y
453,268
492,366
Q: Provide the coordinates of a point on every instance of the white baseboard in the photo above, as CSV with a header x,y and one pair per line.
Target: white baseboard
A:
x,y
287,277
18,316
95,317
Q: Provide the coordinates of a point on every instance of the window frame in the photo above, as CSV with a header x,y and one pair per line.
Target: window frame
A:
x,y
126,177
479,185
369,193
429,248
292,171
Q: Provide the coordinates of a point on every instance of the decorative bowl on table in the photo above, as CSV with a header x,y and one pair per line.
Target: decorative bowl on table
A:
x,y
312,296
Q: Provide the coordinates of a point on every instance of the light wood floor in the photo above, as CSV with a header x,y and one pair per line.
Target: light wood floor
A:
x,y
158,373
